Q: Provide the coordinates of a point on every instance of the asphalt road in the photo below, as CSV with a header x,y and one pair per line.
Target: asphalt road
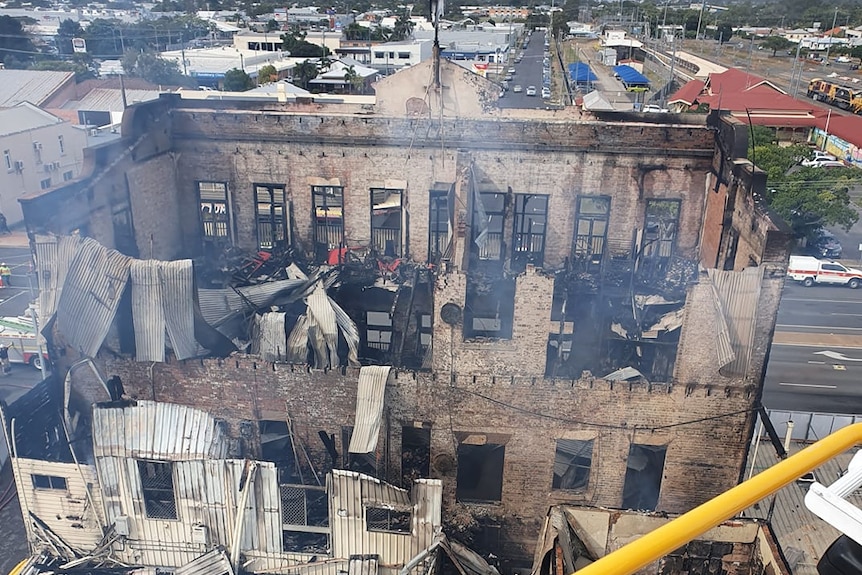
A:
x,y
815,363
527,73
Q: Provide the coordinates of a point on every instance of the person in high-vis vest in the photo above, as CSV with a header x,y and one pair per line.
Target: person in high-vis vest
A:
x,y
5,274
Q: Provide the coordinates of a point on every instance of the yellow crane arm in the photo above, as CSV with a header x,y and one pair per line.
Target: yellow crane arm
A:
x,y
673,535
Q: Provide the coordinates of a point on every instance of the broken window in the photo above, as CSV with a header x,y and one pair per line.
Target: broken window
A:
x,y
488,215
591,228
489,307
215,212
386,222
270,210
122,224
276,446
415,453
572,461
425,334
660,227
378,334
304,518
531,218
49,482
360,462
328,220
644,471
157,484
387,520
438,225
480,470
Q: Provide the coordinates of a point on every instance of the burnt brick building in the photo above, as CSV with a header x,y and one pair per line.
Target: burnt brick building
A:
x,y
577,310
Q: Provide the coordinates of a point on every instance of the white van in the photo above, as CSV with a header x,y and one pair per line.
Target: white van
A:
x,y
810,270
18,334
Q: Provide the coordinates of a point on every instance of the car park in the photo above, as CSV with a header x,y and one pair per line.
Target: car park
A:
x,y
531,90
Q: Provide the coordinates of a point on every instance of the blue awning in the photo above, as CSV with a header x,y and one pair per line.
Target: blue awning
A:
x,y
581,73
630,77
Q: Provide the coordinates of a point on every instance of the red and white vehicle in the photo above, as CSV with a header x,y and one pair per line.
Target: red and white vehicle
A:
x,y
810,270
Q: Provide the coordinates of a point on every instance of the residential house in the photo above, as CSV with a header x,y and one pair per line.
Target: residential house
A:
x,y
576,310
392,56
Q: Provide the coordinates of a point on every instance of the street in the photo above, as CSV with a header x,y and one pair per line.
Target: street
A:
x,y
816,359
527,73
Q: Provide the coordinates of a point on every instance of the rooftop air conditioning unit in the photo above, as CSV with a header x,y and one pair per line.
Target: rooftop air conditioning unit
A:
x,y
37,146
19,165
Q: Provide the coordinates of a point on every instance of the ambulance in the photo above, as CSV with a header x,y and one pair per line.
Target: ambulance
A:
x,y
810,271
19,335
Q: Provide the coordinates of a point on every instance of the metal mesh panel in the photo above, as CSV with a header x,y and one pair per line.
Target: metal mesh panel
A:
x,y
304,505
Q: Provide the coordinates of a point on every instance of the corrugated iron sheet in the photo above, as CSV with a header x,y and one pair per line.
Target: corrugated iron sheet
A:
x,y
147,315
53,257
320,308
369,408
362,565
213,563
219,305
269,340
737,294
297,341
94,284
177,304
162,431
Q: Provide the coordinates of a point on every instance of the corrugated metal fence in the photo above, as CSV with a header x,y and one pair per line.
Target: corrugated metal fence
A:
x,y
810,427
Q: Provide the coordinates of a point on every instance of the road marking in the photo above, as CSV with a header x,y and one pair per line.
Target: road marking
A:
x,y
850,314
822,300
836,355
818,326
818,362
808,385
839,367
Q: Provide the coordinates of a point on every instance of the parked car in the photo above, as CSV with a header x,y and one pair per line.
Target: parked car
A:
x,y
825,245
546,93
654,109
818,156
531,90
810,271
825,164
517,89
511,71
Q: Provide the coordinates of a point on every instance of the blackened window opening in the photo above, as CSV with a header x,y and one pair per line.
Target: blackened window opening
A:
x,y
644,471
480,472
215,212
387,520
157,484
591,228
378,335
415,454
271,213
489,306
276,446
572,461
361,462
531,219
660,228
438,225
305,518
328,220
489,211
386,218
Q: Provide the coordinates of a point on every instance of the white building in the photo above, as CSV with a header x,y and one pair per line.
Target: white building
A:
x,y
393,56
39,151
209,65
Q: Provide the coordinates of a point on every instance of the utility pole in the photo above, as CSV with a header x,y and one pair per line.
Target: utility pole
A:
x,y
700,19
831,37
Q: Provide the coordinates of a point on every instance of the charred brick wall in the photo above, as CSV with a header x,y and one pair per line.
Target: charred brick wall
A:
x,y
526,414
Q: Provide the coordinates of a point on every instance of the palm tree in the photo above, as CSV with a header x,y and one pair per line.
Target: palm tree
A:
x,y
305,72
356,81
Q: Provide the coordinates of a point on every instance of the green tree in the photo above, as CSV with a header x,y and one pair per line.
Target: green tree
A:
x,y
305,72
356,81
152,68
807,198
723,33
776,43
272,25
67,30
267,74
82,67
236,80
16,48
403,28
856,52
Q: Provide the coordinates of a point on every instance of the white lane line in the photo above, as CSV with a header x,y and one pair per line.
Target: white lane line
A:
x,y
807,385
818,326
817,362
821,300
850,314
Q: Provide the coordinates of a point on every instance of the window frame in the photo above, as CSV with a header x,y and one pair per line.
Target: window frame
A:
x,y
528,256
462,451
583,446
149,512
484,253
590,239
438,204
277,224
399,247
215,222
660,247
62,144
322,249
53,482
389,518
45,183
7,159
